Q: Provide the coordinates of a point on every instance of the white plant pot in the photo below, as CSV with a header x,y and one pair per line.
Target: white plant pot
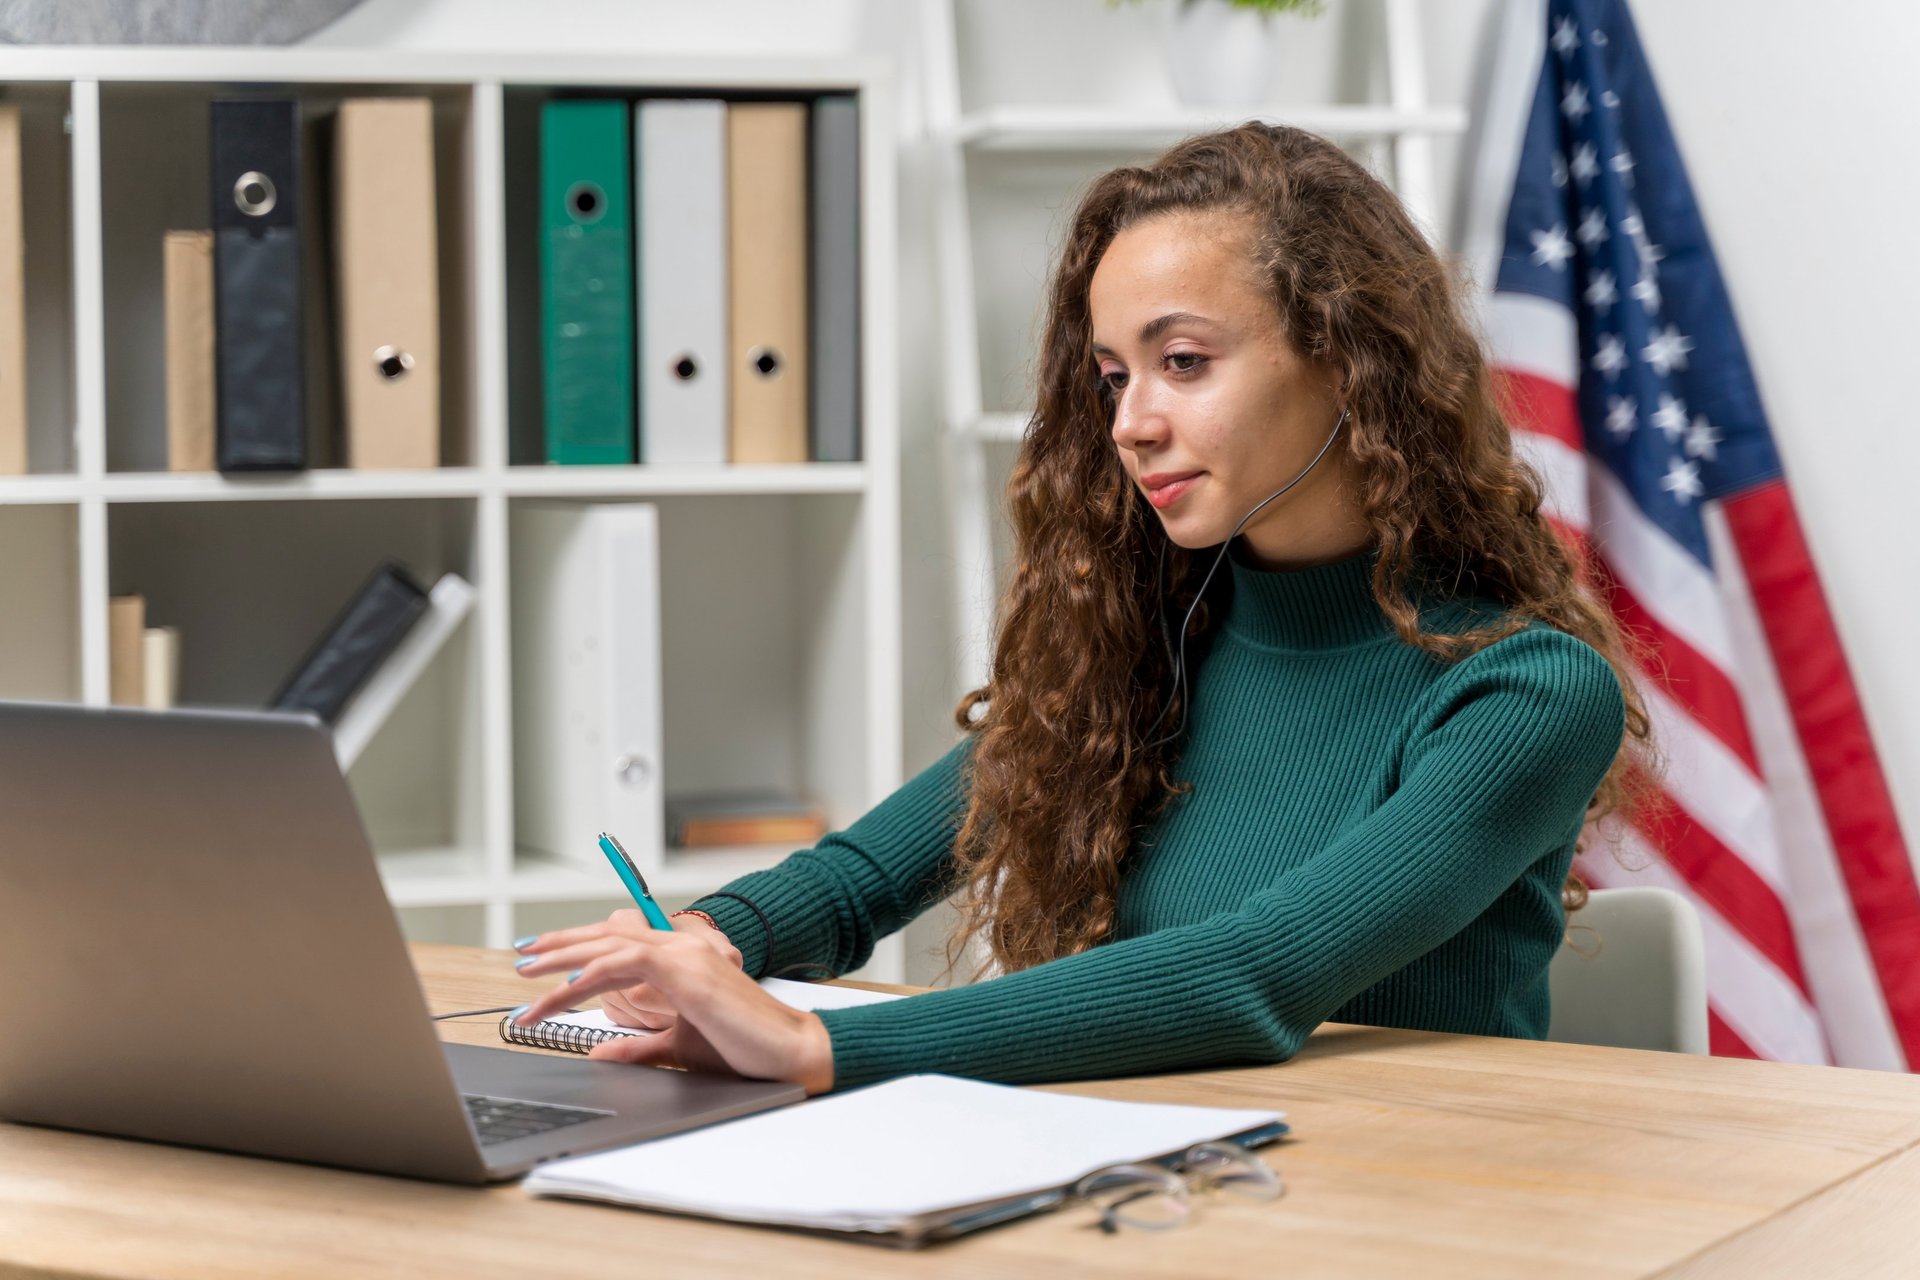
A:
x,y
1219,54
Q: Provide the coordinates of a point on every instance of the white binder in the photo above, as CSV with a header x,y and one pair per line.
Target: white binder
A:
x,y
586,686
447,605
680,166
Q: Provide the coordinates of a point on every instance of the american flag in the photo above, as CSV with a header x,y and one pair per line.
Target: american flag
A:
x,y
1630,391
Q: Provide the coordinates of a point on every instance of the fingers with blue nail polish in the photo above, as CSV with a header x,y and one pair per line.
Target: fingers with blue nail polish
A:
x,y
524,961
515,1015
521,944
575,975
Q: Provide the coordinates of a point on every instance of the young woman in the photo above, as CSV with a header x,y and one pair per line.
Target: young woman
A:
x,y
1296,713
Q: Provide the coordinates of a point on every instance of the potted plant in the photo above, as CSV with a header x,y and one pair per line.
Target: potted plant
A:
x,y
1221,52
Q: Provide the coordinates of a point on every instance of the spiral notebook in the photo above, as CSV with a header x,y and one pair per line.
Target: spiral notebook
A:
x,y
579,1032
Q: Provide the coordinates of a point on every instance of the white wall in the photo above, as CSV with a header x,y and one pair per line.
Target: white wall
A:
x,y
1794,130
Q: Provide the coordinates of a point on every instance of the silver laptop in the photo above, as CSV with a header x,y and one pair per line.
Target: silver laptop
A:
x,y
195,947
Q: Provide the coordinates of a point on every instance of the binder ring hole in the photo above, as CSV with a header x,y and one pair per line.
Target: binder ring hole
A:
x,y
392,362
765,361
586,202
685,367
254,194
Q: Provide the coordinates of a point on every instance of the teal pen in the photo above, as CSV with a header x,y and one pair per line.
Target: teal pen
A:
x,y
635,882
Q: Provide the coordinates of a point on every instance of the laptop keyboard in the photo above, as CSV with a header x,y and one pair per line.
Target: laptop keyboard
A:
x,y
504,1119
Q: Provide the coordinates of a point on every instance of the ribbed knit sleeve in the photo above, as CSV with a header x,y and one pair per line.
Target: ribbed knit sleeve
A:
x,y
826,906
1500,759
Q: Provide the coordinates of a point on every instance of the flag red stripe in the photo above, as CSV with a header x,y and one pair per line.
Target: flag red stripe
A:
x,y
1724,881
1533,403
1700,687
1722,1042
1825,706
1694,681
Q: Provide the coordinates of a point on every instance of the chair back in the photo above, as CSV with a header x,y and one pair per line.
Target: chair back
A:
x,y
1632,973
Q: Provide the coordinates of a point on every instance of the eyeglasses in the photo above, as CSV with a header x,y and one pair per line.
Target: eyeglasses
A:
x,y
1156,1197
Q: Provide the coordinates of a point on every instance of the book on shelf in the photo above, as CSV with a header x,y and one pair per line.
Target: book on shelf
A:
x,y
13,300
187,273
160,667
707,820
143,662
126,650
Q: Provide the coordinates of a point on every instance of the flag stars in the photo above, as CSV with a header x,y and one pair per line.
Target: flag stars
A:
x,y
1671,416
1623,416
1566,37
1610,99
1647,294
1623,165
1593,228
1667,351
1611,357
1702,439
1601,293
1559,170
1574,104
1586,163
1552,248
1682,480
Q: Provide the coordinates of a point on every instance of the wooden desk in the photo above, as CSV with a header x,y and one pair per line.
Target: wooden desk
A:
x,y
1416,1154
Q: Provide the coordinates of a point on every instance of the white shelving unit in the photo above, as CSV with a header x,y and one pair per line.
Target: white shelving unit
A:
x,y
780,584
1406,123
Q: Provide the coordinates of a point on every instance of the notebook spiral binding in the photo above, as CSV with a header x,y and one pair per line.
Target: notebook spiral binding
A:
x,y
553,1035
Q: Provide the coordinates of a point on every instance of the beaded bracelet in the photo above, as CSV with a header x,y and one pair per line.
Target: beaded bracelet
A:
x,y
702,915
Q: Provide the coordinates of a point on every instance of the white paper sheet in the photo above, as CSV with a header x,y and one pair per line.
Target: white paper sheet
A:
x,y
871,1159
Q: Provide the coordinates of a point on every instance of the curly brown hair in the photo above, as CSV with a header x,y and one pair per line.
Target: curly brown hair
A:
x,y
1064,770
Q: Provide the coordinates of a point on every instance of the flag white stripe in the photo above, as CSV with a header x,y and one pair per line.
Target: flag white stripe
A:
x,y
1497,129
1833,952
1668,582
1717,789
1564,471
1761,1005
1531,334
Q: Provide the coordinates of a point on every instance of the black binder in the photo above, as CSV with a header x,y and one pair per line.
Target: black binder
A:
x,y
358,641
259,323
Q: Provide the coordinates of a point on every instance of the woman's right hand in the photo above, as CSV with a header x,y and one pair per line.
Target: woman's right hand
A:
x,y
643,1006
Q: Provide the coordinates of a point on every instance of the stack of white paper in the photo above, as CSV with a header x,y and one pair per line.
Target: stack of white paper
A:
x,y
875,1159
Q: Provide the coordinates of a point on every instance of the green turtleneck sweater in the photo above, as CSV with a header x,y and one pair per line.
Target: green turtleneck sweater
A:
x,y
1373,836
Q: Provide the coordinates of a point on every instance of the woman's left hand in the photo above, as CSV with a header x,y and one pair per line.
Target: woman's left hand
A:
x,y
727,1022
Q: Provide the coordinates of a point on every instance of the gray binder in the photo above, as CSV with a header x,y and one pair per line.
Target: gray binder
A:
x,y
835,305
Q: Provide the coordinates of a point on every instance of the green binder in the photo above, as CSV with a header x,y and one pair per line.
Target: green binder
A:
x,y
586,280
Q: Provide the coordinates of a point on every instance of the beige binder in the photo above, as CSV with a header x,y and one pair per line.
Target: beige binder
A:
x,y
387,265
126,650
187,270
13,302
767,281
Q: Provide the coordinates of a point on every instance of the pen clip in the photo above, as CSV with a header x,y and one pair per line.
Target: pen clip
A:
x,y
614,844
